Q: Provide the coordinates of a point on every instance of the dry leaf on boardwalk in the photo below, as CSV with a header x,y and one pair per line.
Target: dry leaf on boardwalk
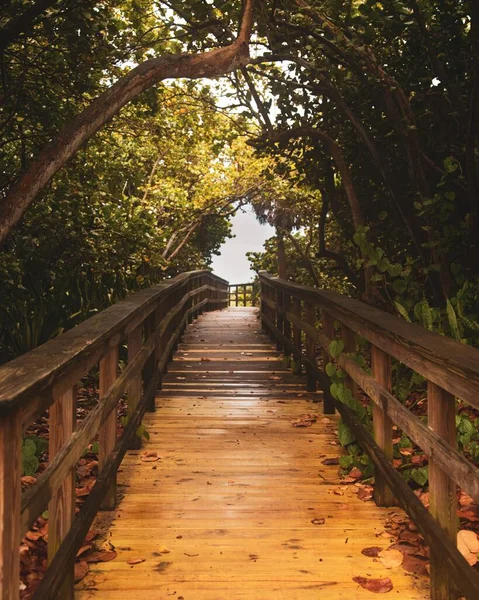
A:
x,y
135,561
378,586
81,569
100,556
318,521
468,545
164,550
372,551
304,421
391,558
150,456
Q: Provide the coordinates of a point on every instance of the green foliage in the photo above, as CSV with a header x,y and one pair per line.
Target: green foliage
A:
x,y
32,449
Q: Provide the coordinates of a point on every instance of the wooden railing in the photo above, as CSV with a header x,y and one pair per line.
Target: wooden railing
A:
x,y
291,312
150,322
241,294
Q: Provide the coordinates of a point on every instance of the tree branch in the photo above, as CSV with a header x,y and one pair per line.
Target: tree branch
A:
x,y
54,156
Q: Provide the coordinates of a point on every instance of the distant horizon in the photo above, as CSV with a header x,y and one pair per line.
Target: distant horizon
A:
x,y
231,264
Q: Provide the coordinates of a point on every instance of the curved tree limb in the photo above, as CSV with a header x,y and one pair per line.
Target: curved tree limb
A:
x,y
54,156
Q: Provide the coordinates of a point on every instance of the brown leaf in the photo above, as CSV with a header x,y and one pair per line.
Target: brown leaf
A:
x,y
81,569
372,551
135,561
204,359
391,558
414,564
304,421
100,556
318,521
378,586
164,550
330,461
274,378
150,456
355,473
468,545
83,549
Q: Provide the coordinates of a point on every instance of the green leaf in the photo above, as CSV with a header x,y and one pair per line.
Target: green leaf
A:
x,y
335,348
420,476
399,286
345,461
402,311
451,316
345,434
330,370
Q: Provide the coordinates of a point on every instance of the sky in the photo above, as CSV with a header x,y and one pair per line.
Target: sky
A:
x,y
232,263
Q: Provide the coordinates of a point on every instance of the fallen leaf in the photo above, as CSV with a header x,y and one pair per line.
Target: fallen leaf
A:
x,y
414,564
83,549
468,545
355,473
378,586
318,521
150,456
274,378
330,461
135,561
372,551
304,421
81,569
391,558
164,550
100,556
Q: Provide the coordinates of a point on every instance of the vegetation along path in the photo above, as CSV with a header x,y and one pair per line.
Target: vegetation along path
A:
x,y
233,498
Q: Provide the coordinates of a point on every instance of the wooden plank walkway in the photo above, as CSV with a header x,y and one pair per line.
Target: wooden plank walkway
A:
x,y
237,487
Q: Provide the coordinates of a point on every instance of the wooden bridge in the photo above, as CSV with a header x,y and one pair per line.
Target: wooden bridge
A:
x,y
229,498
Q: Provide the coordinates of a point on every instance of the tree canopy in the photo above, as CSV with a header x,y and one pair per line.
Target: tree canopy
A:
x,y
350,125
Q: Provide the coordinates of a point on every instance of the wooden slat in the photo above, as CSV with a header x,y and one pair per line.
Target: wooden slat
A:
x,y
135,340
61,508
382,424
107,433
441,410
10,488
233,497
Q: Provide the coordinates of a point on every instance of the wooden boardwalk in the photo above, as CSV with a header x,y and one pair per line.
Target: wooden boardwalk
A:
x,y
237,489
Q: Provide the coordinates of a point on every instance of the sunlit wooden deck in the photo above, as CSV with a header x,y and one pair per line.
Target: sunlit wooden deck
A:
x,y
237,489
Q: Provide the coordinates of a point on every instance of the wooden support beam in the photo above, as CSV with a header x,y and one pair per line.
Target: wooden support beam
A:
x,y
287,324
150,366
107,434
328,330
10,491
310,315
278,297
61,509
382,424
296,309
441,410
133,394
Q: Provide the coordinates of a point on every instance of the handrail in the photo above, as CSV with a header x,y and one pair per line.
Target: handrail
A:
x,y
151,322
289,313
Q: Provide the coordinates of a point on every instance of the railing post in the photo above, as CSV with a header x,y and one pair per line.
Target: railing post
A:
x,y
150,366
107,434
287,325
296,309
441,409
382,424
328,330
309,317
10,492
279,321
61,508
349,339
236,296
135,339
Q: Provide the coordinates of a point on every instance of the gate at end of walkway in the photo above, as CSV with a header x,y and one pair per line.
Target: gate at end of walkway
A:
x,y
291,312
150,323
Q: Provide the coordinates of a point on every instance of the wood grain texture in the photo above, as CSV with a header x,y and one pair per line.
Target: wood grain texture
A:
x,y
441,410
382,424
236,488
10,489
61,509
107,433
